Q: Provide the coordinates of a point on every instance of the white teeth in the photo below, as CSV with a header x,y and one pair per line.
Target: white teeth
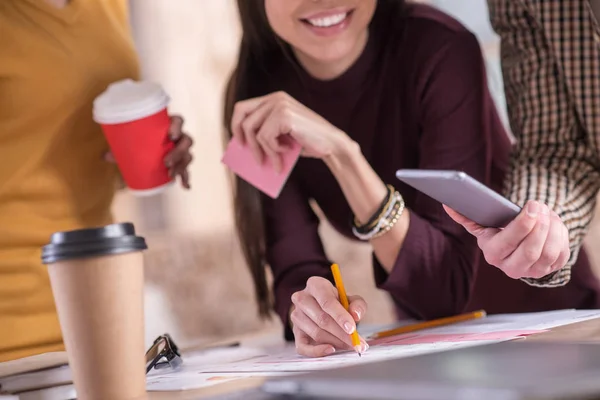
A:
x,y
328,21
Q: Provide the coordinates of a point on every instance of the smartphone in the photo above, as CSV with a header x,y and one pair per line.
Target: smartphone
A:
x,y
463,194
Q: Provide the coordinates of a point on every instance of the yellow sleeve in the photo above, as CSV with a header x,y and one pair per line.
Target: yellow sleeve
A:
x,y
120,8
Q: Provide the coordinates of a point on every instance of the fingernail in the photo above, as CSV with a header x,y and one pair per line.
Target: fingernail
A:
x,y
533,209
364,348
330,351
358,314
348,328
545,209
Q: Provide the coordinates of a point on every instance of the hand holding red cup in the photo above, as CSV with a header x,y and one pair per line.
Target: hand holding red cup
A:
x,y
148,146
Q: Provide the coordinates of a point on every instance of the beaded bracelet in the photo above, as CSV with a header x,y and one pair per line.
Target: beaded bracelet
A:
x,y
386,222
389,223
372,222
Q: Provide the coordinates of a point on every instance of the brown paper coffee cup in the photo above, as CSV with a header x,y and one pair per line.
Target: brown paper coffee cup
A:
x,y
97,278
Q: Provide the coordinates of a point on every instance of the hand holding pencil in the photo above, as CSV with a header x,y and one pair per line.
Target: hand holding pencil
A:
x,y
322,325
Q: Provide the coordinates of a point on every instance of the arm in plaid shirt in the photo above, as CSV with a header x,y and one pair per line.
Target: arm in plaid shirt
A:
x,y
556,159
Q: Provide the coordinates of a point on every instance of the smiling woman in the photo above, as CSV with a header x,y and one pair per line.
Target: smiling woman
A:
x,y
366,88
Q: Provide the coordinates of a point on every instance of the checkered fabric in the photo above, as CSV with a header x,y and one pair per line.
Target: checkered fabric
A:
x,y
551,66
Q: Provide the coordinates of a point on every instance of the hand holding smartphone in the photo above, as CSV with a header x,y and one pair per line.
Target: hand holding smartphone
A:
x,y
463,194
509,237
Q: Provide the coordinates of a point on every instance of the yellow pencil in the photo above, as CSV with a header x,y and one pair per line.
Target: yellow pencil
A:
x,y
430,324
339,284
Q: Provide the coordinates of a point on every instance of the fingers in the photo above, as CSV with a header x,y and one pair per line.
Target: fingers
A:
x,y
471,227
555,252
257,123
536,244
317,319
181,152
499,247
241,110
306,347
305,324
250,127
178,159
529,251
267,138
358,307
185,179
565,253
176,128
322,324
533,245
326,296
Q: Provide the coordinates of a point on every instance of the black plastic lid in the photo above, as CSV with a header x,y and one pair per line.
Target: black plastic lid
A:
x,y
95,242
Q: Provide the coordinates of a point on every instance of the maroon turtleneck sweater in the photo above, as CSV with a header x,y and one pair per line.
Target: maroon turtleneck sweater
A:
x,y
416,98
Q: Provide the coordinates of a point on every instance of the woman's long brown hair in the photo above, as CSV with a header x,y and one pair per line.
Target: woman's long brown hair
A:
x,y
260,48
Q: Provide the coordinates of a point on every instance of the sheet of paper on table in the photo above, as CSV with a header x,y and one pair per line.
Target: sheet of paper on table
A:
x,y
536,321
194,374
201,370
539,321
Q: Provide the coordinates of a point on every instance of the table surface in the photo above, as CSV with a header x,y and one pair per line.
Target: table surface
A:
x,y
587,331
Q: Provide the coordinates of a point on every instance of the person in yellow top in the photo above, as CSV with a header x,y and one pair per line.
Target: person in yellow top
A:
x,y
56,56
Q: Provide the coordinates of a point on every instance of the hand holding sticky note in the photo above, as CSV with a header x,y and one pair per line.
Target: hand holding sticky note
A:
x,y
238,157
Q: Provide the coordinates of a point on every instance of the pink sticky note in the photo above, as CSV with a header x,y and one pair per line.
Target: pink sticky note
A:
x,y
263,176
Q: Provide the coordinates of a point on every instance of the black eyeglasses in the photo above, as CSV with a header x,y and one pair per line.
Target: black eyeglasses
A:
x,y
163,353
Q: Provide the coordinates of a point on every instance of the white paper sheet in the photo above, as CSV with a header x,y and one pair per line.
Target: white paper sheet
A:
x,y
289,361
282,361
519,322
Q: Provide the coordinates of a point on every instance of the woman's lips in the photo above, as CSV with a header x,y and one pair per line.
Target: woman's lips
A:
x,y
328,23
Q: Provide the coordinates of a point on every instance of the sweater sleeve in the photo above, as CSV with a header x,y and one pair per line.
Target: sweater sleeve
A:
x,y
554,161
294,249
434,272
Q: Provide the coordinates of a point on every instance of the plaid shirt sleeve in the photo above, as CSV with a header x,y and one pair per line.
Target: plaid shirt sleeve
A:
x,y
553,160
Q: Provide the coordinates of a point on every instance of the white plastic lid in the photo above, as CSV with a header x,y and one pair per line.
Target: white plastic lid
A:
x,y
129,100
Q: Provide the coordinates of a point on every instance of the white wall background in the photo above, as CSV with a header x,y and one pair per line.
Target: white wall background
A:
x,y
189,46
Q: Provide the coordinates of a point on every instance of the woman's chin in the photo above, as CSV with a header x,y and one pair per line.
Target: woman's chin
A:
x,y
332,55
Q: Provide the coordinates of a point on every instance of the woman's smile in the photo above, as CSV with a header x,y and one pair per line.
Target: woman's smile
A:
x,y
328,23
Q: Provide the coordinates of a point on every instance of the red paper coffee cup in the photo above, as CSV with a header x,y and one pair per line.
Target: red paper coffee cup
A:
x,y
135,122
